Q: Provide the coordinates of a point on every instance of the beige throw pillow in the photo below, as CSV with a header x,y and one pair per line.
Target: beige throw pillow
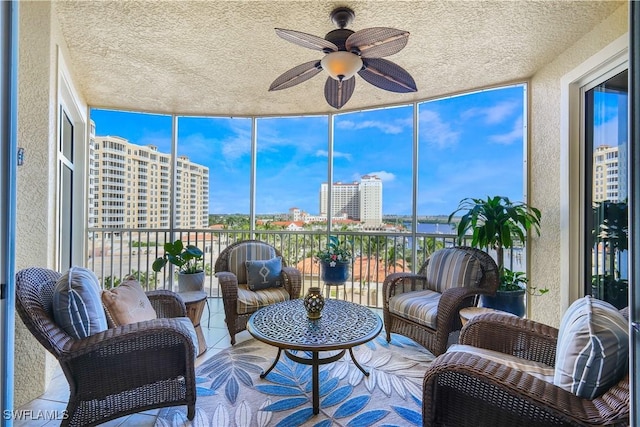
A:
x,y
126,304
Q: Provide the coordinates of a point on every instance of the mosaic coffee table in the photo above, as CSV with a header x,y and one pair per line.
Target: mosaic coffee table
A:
x,y
343,325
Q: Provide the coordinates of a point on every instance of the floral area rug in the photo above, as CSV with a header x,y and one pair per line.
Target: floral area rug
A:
x,y
231,392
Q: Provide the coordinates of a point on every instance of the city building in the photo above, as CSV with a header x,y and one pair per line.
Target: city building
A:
x,y
361,201
130,187
609,179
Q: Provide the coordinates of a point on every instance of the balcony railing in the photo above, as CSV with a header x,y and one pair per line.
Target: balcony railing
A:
x,y
116,253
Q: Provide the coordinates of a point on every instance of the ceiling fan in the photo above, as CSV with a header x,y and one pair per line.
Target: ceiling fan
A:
x,y
347,53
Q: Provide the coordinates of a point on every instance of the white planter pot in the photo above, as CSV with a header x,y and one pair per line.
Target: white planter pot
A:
x,y
190,282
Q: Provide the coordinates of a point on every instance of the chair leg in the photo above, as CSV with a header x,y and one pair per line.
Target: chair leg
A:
x,y
208,311
191,411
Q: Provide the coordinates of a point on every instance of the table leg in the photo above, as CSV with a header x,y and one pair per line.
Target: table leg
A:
x,y
275,362
316,387
355,362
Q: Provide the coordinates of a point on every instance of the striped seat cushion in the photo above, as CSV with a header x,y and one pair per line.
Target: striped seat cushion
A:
x,y
419,306
535,369
453,268
248,252
592,353
250,301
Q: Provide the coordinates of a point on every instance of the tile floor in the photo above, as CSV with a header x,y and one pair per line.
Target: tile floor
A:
x,y
57,394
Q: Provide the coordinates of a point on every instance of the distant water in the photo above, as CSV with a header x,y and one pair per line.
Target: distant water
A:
x,y
515,258
433,228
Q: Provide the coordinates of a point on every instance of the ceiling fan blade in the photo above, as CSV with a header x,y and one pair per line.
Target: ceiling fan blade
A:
x,y
306,40
387,75
338,93
377,42
296,75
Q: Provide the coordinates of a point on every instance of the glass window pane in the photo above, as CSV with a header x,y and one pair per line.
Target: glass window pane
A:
x,y
132,169
606,108
470,146
291,166
220,149
372,165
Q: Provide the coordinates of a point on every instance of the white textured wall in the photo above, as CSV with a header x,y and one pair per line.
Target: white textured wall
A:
x,y
544,191
36,181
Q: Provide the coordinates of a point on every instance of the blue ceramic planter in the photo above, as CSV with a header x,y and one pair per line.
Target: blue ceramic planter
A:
x,y
337,274
509,301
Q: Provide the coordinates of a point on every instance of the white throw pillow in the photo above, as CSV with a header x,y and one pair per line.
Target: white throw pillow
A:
x,y
592,353
77,307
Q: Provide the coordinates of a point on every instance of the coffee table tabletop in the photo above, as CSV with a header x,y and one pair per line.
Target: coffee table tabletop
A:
x,y
343,325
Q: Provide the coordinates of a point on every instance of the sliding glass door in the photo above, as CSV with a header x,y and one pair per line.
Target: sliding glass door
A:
x,y
606,193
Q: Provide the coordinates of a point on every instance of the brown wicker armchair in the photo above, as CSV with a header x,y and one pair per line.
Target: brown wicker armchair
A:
x,y
425,306
465,389
239,301
127,369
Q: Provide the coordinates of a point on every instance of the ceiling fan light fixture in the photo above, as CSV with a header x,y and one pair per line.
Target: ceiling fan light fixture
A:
x,y
341,65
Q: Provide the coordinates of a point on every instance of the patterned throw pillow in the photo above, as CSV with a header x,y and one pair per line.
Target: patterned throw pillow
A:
x,y
76,303
126,304
592,353
245,252
263,274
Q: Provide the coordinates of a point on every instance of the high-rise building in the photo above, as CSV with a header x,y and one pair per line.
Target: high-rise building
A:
x,y
132,187
361,201
370,190
606,175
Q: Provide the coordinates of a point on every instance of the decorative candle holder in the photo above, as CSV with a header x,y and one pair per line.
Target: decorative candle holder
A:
x,y
314,303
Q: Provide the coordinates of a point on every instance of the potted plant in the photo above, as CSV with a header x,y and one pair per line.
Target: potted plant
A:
x,y
186,258
498,223
334,261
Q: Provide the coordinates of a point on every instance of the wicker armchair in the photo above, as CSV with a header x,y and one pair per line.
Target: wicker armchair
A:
x,y
463,389
239,301
425,306
127,369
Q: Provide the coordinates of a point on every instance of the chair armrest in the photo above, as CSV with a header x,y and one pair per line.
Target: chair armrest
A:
x,y
147,336
451,301
397,283
167,303
499,395
508,334
292,281
228,284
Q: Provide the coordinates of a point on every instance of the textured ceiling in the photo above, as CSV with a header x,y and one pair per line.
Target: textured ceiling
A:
x,y
219,57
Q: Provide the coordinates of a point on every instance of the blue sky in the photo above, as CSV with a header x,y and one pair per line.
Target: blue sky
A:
x,y
468,146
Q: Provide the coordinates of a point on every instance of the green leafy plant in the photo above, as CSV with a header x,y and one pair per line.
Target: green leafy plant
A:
x,y
516,281
496,223
185,258
336,251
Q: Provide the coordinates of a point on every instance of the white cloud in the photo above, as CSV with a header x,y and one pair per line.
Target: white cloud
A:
x,y
515,135
336,154
393,128
606,133
383,175
435,131
494,114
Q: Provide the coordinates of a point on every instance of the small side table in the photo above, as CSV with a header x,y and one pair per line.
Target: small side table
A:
x,y
469,313
328,286
195,301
